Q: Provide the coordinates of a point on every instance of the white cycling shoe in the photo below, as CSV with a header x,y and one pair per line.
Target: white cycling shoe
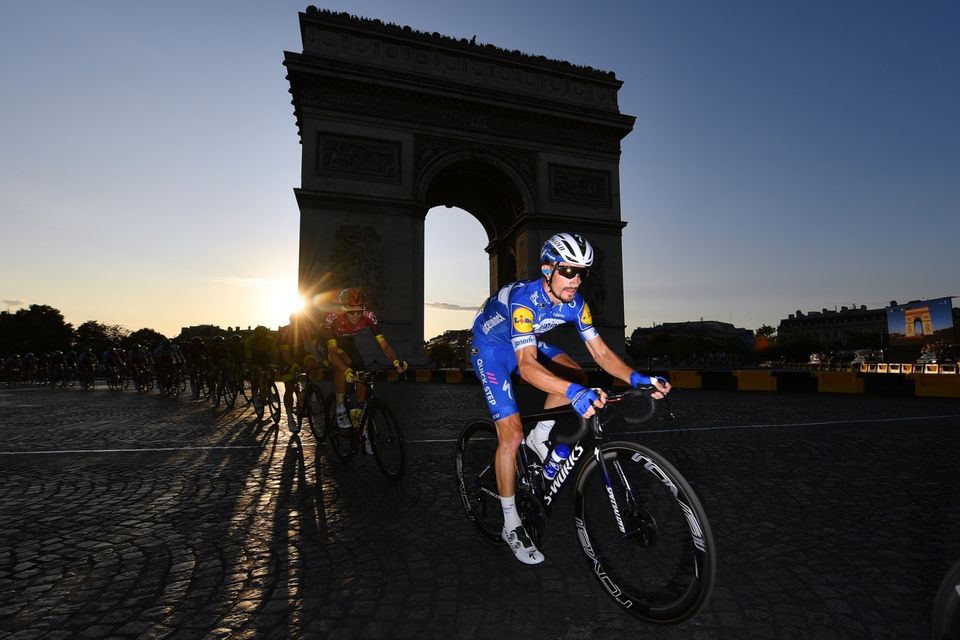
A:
x,y
522,546
539,447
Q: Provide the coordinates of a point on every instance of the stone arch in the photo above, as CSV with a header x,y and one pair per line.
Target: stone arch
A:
x,y
490,190
393,122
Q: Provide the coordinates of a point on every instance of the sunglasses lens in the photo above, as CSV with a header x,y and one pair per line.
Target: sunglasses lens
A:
x,y
572,272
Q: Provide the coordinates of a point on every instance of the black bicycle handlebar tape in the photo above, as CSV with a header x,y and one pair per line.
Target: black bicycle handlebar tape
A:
x,y
584,427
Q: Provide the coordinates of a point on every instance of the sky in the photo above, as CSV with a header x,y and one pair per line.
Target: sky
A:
x,y
786,155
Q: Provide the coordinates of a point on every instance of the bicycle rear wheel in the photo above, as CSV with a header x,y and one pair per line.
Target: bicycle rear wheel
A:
x,y
661,569
315,413
230,388
386,440
477,479
345,442
246,381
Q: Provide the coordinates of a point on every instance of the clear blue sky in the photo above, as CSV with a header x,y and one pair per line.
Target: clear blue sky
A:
x,y
786,155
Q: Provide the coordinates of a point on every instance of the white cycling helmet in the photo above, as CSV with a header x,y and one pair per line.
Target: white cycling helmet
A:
x,y
571,248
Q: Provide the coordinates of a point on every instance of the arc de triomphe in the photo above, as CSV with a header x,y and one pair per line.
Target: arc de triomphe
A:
x,y
394,122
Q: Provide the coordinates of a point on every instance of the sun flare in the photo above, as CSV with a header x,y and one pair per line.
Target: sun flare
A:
x,y
283,301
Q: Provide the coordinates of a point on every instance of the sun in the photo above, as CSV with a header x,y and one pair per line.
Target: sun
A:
x,y
282,301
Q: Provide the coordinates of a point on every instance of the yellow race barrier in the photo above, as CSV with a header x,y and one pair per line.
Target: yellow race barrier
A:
x,y
906,367
937,386
840,382
453,375
882,367
423,375
752,380
893,367
685,379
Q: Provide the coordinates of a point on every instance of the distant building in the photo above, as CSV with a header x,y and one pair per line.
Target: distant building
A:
x,y
836,328
713,330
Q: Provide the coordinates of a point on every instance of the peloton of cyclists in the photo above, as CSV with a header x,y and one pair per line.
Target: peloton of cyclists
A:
x,y
506,338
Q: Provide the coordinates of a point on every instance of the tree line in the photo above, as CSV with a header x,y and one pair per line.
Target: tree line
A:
x,y
40,328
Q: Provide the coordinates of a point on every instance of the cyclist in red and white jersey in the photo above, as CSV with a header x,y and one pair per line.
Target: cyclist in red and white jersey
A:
x,y
339,330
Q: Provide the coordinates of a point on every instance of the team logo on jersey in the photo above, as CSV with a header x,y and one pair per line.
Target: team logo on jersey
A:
x,y
522,320
586,317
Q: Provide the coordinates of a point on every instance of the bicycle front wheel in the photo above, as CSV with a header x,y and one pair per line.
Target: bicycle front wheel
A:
x,y
230,389
274,403
477,478
386,440
653,551
315,413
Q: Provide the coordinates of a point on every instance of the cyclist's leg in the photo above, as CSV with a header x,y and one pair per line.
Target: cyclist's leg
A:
x,y
340,389
289,384
562,365
493,366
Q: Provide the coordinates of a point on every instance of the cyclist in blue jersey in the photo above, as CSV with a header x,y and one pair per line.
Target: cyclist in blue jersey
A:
x,y
506,334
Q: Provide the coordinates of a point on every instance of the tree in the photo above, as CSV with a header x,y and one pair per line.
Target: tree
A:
x,y
768,332
147,338
442,355
98,336
38,328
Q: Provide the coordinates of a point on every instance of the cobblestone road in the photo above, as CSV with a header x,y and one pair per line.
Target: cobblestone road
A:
x,y
128,516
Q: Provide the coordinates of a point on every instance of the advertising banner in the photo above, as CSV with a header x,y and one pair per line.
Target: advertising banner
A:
x,y
921,322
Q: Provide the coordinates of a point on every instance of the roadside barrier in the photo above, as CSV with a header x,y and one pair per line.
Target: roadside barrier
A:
x,y
881,379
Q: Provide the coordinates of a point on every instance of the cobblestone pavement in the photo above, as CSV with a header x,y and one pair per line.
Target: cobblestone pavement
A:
x,y
123,516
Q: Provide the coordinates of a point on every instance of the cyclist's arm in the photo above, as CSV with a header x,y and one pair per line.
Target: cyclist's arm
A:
x,y
610,362
608,359
386,348
538,375
335,356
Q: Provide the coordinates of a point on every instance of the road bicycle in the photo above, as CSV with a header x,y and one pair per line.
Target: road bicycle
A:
x,y
223,383
116,377
85,375
372,419
266,394
200,380
641,528
309,405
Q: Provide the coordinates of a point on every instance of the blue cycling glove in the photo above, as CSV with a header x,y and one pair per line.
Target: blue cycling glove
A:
x,y
640,380
581,397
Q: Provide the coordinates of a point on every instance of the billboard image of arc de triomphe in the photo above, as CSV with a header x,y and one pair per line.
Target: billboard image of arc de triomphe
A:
x,y
394,122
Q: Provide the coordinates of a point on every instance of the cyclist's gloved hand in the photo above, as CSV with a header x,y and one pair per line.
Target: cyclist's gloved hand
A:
x,y
581,397
349,375
400,365
660,385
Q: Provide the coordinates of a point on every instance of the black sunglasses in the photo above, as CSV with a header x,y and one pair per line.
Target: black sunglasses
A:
x,y
570,272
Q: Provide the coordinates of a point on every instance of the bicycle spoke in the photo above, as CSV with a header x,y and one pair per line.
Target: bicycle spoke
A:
x,y
645,535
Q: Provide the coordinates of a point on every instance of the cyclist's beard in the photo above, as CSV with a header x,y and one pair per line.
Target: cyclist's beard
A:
x,y
566,294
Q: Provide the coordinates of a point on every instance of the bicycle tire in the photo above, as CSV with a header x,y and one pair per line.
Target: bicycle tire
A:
x,y
386,440
274,403
230,389
316,413
344,445
946,606
259,403
477,479
246,387
662,570
215,385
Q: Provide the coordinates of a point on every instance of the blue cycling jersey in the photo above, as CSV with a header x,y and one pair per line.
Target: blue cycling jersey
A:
x,y
522,311
512,319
